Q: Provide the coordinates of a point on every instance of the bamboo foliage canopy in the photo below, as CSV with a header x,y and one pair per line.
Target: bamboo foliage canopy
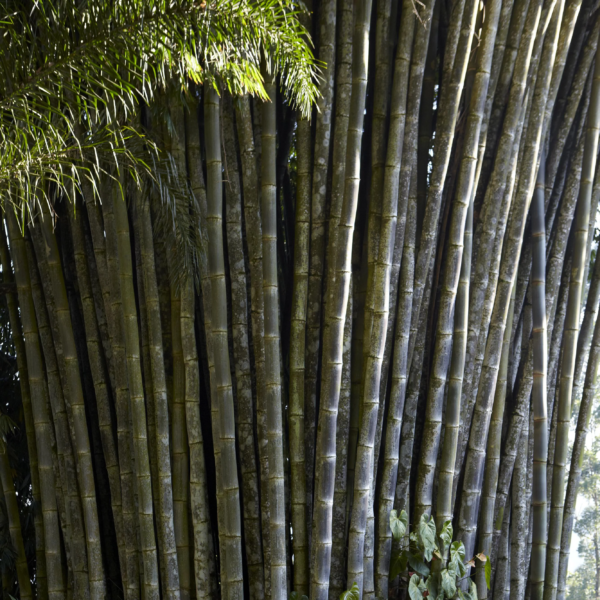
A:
x,y
297,297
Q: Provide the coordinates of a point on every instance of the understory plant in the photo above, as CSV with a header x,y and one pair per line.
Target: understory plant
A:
x,y
429,563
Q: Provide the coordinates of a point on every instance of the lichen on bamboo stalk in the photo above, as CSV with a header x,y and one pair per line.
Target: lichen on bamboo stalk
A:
x,y
241,354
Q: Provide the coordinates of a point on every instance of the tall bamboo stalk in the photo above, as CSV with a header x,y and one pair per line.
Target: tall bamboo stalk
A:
x,y
297,358
492,455
510,259
253,227
14,524
539,400
241,353
77,407
170,552
230,540
18,341
519,521
336,308
337,580
455,270
394,424
571,335
106,249
136,398
204,555
41,418
336,54
100,377
45,309
272,350
583,427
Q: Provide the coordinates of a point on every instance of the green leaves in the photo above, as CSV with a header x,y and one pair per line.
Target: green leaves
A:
x,y
416,587
448,583
445,537
427,535
398,524
399,564
457,559
352,594
295,596
487,567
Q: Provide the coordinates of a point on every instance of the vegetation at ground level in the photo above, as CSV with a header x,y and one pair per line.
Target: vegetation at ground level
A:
x,y
298,299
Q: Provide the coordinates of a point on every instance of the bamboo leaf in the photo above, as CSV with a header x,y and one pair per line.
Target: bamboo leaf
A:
x,y
352,594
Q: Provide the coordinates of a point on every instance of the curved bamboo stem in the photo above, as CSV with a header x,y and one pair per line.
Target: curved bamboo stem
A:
x,y
570,336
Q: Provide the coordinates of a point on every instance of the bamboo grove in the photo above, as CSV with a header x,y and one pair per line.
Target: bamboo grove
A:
x,y
386,301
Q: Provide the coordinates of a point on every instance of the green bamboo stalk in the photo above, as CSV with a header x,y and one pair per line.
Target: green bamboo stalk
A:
x,y
329,45
583,427
14,524
538,399
241,353
120,230
100,377
149,390
450,94
17,336
519,521
553,279
448,325
495,211
567,28
198,490
492,456
272,356
173,556
178,433
41,417
323,255
559,140
508,268
204,555
45,310
106,250
394,423
337,579
252,219
48,254
402,498
336,308
297,358
501,577
570,336
382,84
230,541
